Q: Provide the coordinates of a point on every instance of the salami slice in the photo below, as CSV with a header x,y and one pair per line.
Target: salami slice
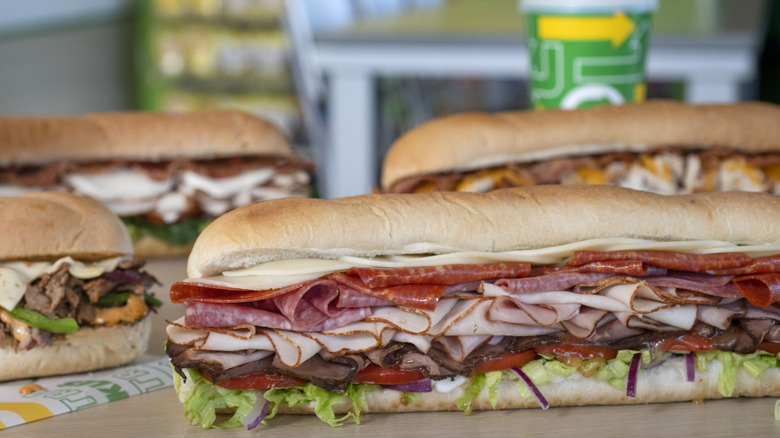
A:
x,y
418,296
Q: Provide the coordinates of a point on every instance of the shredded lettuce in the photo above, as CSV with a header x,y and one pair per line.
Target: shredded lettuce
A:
x,y
754,363
202,400
477,384
177,234
471,393
410,397
323,399
491,381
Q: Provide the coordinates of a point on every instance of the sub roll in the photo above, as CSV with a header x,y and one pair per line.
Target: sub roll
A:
x,y
664,147
72,297
165,175
516,298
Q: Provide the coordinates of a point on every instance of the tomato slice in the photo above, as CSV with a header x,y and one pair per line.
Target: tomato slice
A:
x,y
388,376
689,342
579,351
770,347
505,361
257,381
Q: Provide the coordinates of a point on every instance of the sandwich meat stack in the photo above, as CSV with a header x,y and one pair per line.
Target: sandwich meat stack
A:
x,y
664,147
517,298
165,175
72,298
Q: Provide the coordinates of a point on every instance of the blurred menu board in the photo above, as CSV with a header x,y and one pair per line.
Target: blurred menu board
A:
x,y
202,54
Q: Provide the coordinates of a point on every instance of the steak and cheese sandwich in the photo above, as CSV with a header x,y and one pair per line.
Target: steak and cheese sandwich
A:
x,y
664,147
72,298
165,175
517,298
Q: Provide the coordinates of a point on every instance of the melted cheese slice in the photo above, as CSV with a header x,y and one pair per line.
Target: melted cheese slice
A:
x,y
118,185
230,186
291,267
16,276
283,273
12,287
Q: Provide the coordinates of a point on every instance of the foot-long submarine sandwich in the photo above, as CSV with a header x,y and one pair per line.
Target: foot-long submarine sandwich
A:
x,y
72,298
165,175
517,298
661,146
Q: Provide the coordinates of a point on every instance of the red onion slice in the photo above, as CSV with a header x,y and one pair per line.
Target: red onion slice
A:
x,y
633,371
534,390
690,367
418,386
257,414
123,277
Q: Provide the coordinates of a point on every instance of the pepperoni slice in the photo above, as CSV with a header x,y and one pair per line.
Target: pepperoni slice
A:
x,y
759,265
668,259
762,290
189,291
443,274
627,267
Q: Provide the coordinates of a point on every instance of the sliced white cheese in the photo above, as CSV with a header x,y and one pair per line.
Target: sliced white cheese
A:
x,y
12,287
224,187
85,271
28,270
16,276
117,185
312,268
292,267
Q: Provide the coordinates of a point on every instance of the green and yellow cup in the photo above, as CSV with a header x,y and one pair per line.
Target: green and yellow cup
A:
x,y
587,52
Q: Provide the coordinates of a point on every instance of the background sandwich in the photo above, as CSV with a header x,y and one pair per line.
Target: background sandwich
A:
x,y
72,298
665,147
165,175
524,297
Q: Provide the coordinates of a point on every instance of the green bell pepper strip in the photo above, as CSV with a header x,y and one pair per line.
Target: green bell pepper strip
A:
x,y
37,320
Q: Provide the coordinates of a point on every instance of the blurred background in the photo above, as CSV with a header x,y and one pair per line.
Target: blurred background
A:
x,y
344,78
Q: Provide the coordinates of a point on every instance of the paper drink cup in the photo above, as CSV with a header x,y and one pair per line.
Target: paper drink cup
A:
x,y
587,52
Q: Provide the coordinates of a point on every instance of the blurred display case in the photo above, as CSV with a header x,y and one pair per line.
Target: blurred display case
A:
x,y
204,54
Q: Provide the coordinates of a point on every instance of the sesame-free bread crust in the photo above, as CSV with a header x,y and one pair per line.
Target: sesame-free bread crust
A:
x,y
475,140
501,220
144,136
86,349
51,225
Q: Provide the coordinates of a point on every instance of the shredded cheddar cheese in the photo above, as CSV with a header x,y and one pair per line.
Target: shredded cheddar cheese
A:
x,y
591,176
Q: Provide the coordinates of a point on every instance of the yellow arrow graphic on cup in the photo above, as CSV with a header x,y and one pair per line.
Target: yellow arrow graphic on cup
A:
x,y
616,28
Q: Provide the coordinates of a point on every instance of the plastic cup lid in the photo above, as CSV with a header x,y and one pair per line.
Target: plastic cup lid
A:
x,y
588,5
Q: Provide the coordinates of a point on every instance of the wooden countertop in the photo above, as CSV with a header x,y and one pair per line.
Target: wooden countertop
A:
x,y
159,413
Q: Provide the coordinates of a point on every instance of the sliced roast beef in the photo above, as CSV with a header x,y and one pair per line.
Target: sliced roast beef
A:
x,y
46,294
98,287
328,375
390,355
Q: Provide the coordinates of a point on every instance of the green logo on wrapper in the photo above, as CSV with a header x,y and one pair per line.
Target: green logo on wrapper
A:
x,y
579,61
